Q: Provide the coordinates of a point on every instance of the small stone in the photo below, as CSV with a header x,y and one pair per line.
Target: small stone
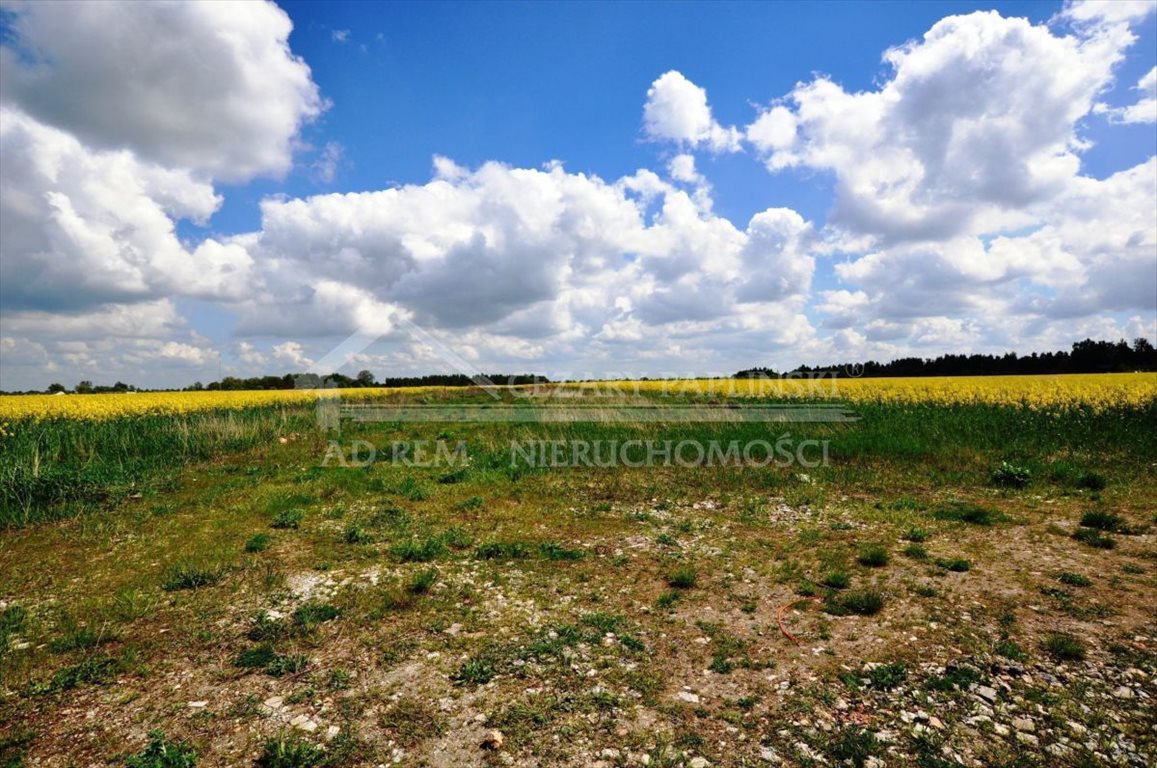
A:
x,y
1000,729
1124,692
1024,724
274,702
198,704
332,732
769,755
935,722
699,762
985,692
688,697
1027,738
493,740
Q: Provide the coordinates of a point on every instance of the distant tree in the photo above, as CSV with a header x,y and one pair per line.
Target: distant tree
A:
x,y
55,387
85,387
366,378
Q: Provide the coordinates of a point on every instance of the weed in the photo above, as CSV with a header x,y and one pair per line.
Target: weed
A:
x,y
502,550
415,551
683,577
917,535
861,602
1064,647
852,745
667,599
915,551
292,751
1010,476
925,590
965,512
257,543
478,670
1074,579
954,564
836,580
885,677
955,677
1094,538
409,720
309,616
873,557
162,753
355,534
421,582
287,519
1092,481
557,552
188,575
1102,521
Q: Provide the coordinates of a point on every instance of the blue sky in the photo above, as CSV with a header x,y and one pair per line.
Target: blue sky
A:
x,y
361,97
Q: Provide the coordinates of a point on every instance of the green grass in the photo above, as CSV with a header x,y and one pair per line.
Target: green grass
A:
x,y
683,577
257,543
1094,538
1064,647
954,564
162,753
287,519
865,602
873,557
191,575
966,512
292,751
1102,521
1074,579
836,580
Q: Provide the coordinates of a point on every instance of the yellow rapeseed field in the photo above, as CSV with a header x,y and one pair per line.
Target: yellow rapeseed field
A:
x,y
1096,391
107,406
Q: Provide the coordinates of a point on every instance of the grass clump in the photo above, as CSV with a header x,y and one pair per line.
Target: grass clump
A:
x,y
477,671
97,669
683,577
966,512
954,564
1010,476
864,602
187,575
557,552
1102,521
1092,481
1094,538
409,720
162,753
502,550
421,582
292,751
257,543
915,551
916,535
852,746
885,677
1074,579
419,551
1064,647
873,557
287,519
355,534
836,580
310,616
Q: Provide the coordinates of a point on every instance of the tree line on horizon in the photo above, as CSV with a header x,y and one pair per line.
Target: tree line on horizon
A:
x,y
1086,356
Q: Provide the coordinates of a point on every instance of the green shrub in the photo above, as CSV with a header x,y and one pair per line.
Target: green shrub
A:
x,y
864,602
683,577
873,557
966,512
836,580
161,753
187,575
292,751
1010,476
1102,521
257,543
1064,647
1074,579
1094,538
885,677
287,519
421,582
355,534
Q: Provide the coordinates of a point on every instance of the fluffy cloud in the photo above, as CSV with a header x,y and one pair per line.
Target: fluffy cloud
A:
x,y
677,110
211,87
1145,110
